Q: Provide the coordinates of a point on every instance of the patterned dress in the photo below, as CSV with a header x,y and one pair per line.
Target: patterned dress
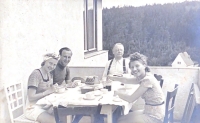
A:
x,y
154,109
153,96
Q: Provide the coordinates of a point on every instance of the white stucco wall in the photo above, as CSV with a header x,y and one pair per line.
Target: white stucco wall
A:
x,y
31,28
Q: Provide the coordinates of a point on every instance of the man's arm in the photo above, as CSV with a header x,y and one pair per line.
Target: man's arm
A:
x,y
127,66
104,77
67,76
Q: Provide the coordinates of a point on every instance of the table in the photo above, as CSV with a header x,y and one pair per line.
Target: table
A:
x,y
66,99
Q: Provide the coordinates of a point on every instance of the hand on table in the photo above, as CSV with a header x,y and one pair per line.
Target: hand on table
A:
x,y
49,91
119,92
72,84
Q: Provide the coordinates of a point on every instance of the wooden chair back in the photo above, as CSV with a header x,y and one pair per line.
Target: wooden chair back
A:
x,y
15,99
16,103
169,107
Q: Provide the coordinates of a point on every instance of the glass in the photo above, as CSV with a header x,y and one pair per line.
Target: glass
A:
x,y
107,85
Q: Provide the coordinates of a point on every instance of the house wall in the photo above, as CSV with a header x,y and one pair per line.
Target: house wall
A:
x,y
179,59
31,28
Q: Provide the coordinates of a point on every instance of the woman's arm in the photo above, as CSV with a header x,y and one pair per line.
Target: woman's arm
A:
x,y
131,98
124,79
33,96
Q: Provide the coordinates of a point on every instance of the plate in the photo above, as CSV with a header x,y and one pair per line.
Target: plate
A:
x,y
117,99
88,99
128,88
60,92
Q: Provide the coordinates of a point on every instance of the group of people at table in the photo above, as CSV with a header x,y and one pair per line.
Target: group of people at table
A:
x,y
54,71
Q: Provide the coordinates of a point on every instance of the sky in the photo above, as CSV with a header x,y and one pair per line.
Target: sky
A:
x,y
111,3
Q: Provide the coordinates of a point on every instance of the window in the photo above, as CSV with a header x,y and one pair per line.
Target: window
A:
x,y
90,25
179,62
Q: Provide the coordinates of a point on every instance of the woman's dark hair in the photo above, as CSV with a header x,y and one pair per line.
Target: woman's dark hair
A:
x,y
64,48
139,57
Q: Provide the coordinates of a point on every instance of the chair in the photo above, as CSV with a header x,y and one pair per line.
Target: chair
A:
x,y
159,78
60,111
15,99
169,107
190,105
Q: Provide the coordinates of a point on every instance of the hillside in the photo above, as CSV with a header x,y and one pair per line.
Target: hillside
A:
x,y
158,31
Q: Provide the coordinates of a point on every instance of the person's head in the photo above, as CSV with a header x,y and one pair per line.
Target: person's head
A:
x,y
138,64
49,61
118,50
65,56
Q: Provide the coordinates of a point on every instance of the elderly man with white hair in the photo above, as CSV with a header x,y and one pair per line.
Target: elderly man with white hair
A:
x,y
118,65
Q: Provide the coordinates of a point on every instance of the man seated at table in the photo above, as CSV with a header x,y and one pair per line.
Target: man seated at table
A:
x,y
116,66
61,74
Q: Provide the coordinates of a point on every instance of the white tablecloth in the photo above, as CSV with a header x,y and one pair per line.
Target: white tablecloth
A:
x,y
73,97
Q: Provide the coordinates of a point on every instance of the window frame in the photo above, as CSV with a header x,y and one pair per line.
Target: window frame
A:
x,y
86,27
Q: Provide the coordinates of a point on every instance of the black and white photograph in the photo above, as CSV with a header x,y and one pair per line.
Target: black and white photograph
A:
x,y
99,61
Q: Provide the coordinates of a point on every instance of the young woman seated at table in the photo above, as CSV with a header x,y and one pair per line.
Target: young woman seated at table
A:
x,y
149,90
40,84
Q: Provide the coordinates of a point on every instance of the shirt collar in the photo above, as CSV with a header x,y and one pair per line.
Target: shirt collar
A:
x,y
119,61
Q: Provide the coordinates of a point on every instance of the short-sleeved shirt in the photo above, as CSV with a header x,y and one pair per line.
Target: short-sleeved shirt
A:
x,y
154,95
35,80
60,74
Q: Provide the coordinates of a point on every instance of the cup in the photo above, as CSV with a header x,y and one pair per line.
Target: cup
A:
x,y
104,90
89,96
77,81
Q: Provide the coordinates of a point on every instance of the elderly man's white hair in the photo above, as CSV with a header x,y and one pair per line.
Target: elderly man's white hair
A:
x,y
118,44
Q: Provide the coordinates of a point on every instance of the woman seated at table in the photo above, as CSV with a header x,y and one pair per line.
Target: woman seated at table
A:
x,y
149,90
40,84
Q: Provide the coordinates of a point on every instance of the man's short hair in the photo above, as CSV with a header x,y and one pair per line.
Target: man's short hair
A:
x,y
64,48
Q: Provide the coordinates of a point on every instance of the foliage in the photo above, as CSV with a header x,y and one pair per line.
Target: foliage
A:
x,y
158,31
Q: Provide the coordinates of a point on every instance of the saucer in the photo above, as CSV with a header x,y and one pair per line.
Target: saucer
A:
x,y
88,98
60,92
98,93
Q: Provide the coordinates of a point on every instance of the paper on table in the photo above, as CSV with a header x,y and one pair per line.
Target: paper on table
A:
x,y
52,99
80,101
108,100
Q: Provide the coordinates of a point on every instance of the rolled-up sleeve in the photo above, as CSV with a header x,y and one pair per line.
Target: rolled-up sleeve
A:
x,y
34,80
